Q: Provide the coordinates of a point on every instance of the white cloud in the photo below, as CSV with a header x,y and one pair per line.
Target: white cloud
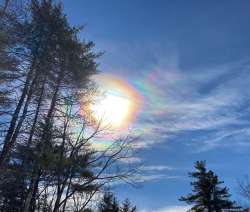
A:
x,y
208,99
179,100
131,160
169,209
225,138
173,209
156,168
153,177
141,179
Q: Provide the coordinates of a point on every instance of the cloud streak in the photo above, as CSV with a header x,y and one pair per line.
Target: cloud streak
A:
x,y
156,168
173,209
169,209
177,99
210,100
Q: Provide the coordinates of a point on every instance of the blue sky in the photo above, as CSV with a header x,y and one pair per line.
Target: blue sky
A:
x,y
191,59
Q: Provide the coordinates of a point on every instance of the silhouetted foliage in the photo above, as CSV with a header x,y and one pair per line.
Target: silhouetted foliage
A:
x,y
127,207
108,203
207,193
46,162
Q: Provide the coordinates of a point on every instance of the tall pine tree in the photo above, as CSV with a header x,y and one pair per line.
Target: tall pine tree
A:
x,y
207,194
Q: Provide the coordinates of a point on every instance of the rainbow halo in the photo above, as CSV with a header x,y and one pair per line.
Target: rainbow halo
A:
x,y
116,103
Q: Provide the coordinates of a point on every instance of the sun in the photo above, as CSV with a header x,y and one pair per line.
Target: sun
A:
x,y
116,103
111,110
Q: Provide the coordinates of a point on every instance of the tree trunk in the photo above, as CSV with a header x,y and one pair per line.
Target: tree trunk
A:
x,y
32,191
58,199
24,113
36,114
7,141
33,199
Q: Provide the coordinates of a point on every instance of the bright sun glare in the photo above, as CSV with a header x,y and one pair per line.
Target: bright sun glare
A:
x,y
117,103
112,110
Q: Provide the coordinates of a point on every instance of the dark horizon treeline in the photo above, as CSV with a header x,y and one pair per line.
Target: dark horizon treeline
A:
x,y
47,162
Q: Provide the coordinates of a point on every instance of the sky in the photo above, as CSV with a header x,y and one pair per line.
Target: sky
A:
x,y
190,60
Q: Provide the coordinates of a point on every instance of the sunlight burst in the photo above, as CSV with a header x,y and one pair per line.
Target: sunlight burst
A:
x,y
117,103
111,110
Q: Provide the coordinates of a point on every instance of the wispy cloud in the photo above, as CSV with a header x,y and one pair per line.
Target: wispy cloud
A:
x,y
169,209
156,168
153,177
235,138
131,160
141,179
213,99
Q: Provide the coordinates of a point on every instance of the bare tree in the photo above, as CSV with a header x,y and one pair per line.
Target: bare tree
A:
x,y
77,168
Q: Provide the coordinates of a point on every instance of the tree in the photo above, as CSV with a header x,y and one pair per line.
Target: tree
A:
x,y
207,194
127,207
46,162
10,37
55,60
76,171
108,203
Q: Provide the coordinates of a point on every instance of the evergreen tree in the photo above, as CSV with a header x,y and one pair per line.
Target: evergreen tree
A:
x,y
127,207
108,203
56,61
45,160
207,194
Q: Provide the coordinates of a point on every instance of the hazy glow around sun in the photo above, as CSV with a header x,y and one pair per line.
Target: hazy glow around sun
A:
x,y
116,103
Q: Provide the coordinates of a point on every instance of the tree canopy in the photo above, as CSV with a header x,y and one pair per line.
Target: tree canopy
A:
x,y
208,194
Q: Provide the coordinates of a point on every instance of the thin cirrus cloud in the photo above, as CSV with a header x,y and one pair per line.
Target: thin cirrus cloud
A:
x,y
144,178
156,168
234,138
210,100
173,209
168,209
153,177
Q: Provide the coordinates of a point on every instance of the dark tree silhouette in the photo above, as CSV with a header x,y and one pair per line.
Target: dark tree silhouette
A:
x,y
127,207
46,163
207,194
108,203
